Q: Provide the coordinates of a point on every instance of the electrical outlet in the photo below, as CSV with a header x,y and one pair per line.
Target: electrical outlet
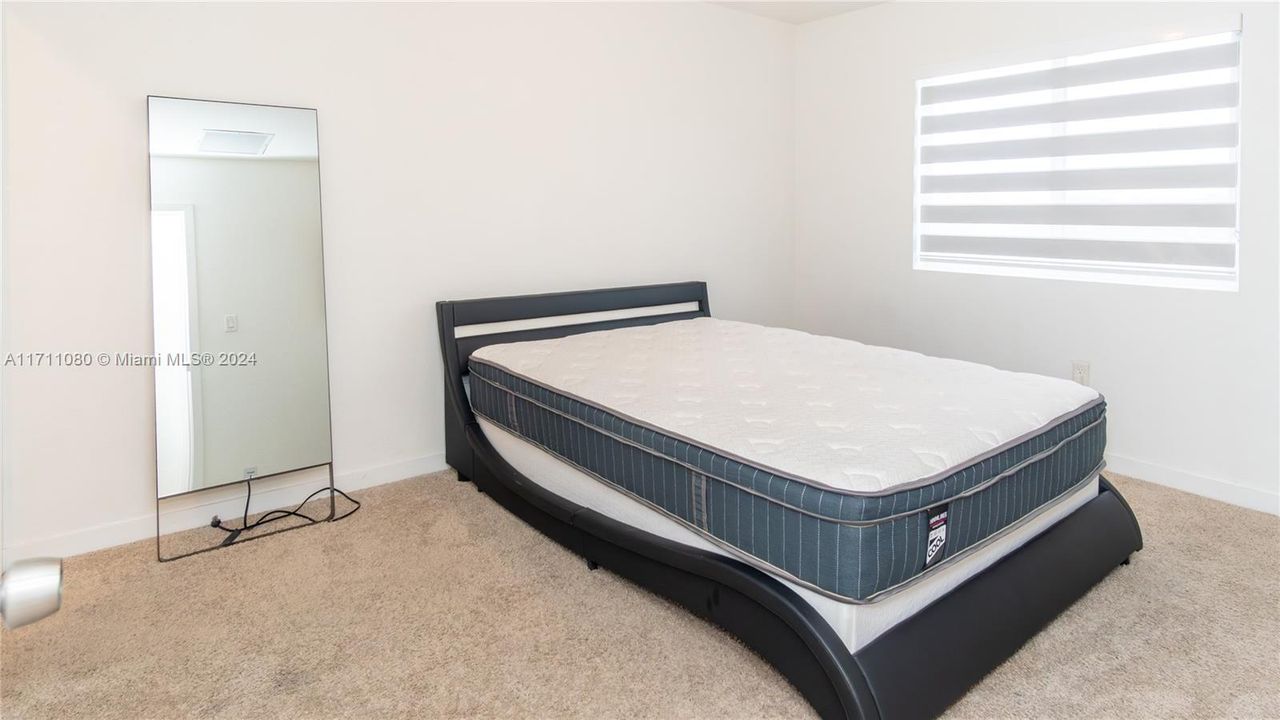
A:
x,y
250,472
231,323
1080,372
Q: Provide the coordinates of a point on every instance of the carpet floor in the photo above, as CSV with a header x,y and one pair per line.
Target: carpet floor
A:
x,y
433,601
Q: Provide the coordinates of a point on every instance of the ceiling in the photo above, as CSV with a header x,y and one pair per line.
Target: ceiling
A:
x,y
796,11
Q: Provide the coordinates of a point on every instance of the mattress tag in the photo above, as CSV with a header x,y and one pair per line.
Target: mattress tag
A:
x,y
937,534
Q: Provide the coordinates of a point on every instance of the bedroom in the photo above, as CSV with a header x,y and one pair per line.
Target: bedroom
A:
x,y
491,150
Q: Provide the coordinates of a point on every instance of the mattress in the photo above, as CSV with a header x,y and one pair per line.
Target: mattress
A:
x,y
857,624
848,469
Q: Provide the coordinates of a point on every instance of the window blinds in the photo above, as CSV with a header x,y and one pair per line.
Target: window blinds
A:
x,y
1118,166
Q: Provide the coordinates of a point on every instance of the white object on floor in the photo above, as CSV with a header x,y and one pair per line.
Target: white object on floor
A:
x,y
31,590
857,625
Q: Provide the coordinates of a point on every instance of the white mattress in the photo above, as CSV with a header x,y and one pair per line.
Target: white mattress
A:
x,y
826,411
856,624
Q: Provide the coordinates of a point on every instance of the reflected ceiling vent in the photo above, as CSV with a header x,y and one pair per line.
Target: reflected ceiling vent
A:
x,y
235,142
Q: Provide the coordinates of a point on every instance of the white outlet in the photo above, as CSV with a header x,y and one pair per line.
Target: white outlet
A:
x,y
1080,372
250,472
231,323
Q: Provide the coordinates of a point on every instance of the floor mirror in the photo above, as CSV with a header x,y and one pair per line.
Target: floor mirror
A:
x,y
238,298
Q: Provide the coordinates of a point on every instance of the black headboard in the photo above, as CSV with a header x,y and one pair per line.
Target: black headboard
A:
x,y
469,317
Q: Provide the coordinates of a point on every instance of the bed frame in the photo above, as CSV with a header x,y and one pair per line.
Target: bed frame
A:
x,y
914,670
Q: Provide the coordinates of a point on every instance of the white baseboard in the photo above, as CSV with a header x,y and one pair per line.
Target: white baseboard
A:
x,y
193,511
1228,492
190,511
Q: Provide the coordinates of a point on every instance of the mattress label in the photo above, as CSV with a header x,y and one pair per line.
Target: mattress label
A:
x,y
937,534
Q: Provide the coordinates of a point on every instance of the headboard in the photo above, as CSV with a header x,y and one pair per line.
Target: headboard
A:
x,y
468,325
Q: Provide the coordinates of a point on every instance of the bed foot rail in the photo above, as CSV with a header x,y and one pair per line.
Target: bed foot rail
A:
x,y
921,666
916,669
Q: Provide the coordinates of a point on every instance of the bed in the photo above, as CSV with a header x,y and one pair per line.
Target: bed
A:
x,y
883,527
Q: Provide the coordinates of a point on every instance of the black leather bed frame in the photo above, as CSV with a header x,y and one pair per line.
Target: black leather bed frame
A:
x,y
914,670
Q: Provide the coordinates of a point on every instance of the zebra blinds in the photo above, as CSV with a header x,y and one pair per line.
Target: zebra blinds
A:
x,y
1118,166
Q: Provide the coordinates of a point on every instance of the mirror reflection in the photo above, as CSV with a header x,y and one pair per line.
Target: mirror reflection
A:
x,y
241,382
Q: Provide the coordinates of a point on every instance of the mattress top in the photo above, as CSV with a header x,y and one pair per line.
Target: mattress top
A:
x,y
824,410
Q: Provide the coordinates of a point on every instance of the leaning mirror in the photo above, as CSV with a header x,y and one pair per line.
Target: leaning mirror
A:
x,y
241,366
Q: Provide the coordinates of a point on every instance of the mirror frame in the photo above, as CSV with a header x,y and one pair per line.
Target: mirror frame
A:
x,y
233,536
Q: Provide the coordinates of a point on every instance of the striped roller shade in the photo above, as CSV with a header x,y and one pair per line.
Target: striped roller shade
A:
x,y
1118,166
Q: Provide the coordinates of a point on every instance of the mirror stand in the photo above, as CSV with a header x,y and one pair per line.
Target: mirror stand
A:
x,y
236,531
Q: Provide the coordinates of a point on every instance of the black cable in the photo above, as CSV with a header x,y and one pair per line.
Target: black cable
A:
x,y
273,515
280,514
248,484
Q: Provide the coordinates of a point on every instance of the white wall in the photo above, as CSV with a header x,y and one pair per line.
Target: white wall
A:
x,y
466,150
4,294
1190,376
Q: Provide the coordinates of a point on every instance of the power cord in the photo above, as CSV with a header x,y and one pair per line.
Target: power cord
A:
x,y
274,515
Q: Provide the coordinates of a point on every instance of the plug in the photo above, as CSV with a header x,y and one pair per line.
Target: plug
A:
x,y
215,522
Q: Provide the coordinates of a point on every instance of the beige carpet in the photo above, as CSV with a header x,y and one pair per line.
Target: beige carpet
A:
x,y
433,601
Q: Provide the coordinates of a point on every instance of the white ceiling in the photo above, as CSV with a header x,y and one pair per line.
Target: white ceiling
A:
x,y
177,126
796,11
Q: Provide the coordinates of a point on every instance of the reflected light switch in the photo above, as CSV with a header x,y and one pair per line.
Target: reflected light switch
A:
x,y
231,323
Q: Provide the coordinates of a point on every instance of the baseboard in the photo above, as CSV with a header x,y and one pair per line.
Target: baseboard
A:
x,y
1228,492
195,510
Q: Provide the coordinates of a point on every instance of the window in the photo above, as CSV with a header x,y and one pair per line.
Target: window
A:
x,y
1117,166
